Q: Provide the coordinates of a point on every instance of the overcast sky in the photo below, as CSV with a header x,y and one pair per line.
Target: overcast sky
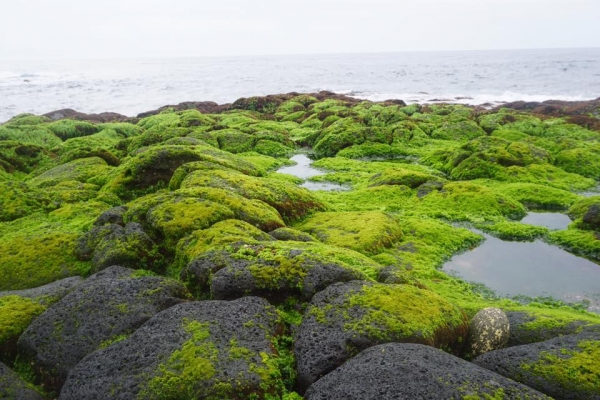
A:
x,y
179,28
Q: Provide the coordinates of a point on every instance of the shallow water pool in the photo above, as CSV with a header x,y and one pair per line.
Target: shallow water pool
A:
x,y
303,169
531,269
552,221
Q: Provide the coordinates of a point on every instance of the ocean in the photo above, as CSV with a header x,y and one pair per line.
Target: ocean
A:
x,y
131,86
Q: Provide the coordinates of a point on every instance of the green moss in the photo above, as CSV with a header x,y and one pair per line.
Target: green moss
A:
x,y
291,202
19,159
463,130
584,243
194,363
534,196
17,199
581,206
87,170
26,119
577,370
467,201
68,128
36,135
39,248
512,136
400,176
381,198
580,161
16,313
113,340
506,230
367,232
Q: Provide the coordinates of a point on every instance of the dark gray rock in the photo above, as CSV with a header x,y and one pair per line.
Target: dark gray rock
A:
x,y
297,273
111,216
565,367
12,387
230,341
346,318
591,218
413,371
289,234
107,305
521,333
114,244
49,293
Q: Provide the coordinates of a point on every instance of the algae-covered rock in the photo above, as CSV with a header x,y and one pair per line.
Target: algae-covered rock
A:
x,y
413,371
47,294
18,199
292,202
275,270
16,313
12,387
489,330
111,303
208,349
398,176
289,234
368,232
348,317
564,368
87,170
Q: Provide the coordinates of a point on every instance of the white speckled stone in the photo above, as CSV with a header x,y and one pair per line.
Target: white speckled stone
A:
x,y
488,330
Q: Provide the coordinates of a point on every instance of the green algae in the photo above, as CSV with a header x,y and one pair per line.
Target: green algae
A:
x,y
16,313
68,128
507,230
576,370
366,232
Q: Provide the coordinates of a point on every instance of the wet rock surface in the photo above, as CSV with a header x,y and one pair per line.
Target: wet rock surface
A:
x,y
108,304
413,371
214,349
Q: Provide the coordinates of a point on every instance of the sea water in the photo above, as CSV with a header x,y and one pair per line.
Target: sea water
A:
x,y
131,86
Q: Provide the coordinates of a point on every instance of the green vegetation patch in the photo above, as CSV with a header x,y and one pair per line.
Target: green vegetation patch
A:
x,y
87,170
16,313
17,199
507,230
368,232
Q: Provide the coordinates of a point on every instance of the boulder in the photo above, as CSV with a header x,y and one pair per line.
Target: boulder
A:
x,y
565,367
592,217
207,349
527,328
49,293
109,304
289,234
13,387
348,317
414,371
488,330
271,270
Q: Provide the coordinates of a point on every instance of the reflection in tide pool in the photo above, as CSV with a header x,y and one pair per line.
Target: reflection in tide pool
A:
x,y
303,170
531,269
553,221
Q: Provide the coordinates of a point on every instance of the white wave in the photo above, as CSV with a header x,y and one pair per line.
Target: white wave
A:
x,y
469,98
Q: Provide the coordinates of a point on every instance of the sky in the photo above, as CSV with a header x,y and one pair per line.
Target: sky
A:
x,y
40,29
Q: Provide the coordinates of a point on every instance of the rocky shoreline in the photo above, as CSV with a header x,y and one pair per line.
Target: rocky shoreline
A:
x,y
163,257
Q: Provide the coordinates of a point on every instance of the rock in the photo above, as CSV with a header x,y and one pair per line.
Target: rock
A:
x,y
109,304
348,317
72,114
488,330
565,367
49,293
13,387
289,234
525,329
592,217
207,349
414,371
271,270
113,244
111,216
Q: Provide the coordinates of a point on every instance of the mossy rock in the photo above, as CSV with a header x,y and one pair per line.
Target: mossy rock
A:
x,y
26,119
368,232
209,349
582,242
18,199
12,387
103,144
233,141
20,157
399,176
153,168
289,234
68,128
536,196
39,248
292,202
36,135
581,206
580,161
468,201
564,368
111,303
86,170
16,313
508,230
346,318
463,130
412,371
277,271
